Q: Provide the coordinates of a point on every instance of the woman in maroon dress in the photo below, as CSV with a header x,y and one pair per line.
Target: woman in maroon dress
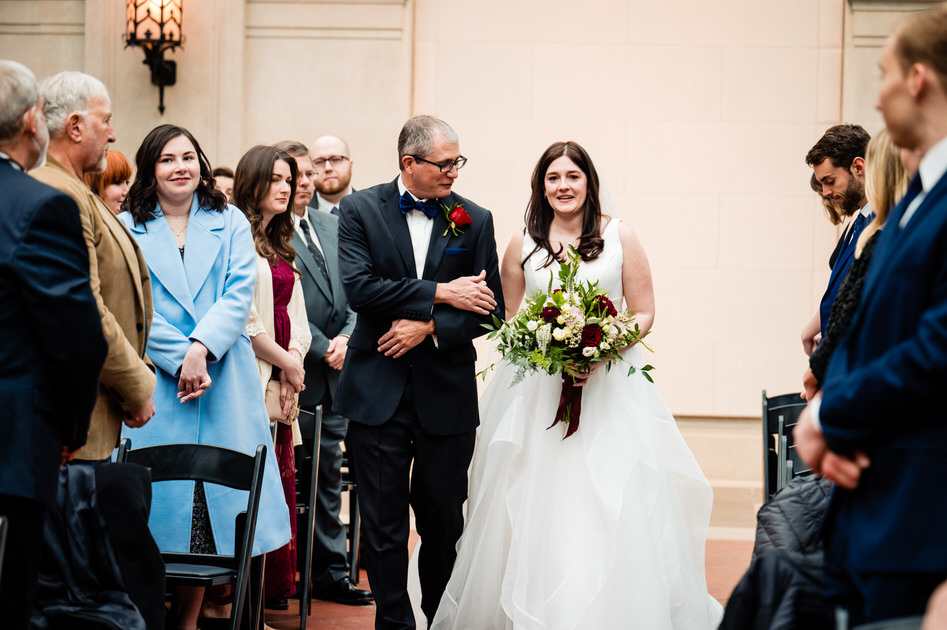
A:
x,y
264,186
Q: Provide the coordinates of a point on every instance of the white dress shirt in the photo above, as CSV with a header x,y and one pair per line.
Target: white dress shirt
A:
x,y
328,206
931,169
420,227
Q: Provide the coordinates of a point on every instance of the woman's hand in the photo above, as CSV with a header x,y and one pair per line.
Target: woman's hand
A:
x,y
287,394
194,380
293,372
581,378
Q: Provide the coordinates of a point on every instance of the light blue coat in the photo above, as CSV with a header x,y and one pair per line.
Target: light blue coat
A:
x,y
206,297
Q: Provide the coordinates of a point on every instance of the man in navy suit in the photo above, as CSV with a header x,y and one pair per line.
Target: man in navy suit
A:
x,y
331,322
51,343
419,266
879,428
838,166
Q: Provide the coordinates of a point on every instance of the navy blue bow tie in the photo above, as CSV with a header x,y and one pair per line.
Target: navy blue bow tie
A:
x,y
408,204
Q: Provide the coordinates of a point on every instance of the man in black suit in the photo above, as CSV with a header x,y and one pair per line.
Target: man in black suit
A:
x,y
419,266
331,322
51,343
878,429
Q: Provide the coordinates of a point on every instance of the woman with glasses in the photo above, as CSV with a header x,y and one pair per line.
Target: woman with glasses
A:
x,y
199,252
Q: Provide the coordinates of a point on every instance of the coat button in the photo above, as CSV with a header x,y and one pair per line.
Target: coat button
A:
x,y
140,326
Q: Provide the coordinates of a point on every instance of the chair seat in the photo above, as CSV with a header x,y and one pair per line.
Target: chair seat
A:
x,y
199,574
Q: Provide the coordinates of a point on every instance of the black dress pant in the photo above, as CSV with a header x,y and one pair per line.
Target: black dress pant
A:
x,y
436,490
21,559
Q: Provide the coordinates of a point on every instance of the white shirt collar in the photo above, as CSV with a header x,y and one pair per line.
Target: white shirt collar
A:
x,y
402,190
13,163
933,165
324,205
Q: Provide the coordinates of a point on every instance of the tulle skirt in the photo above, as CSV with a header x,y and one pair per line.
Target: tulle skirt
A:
x,y
605,529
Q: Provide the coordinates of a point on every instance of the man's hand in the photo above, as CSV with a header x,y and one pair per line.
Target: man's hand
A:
x,y
810,385
403,335
335,354
66,455
811,334
809,441
468,293
811,446
139,417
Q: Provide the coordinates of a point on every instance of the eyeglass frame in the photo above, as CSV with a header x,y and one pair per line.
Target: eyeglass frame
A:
x,y
459,163
337,158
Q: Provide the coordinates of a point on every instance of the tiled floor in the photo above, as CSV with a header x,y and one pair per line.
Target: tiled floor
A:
x,y
726,560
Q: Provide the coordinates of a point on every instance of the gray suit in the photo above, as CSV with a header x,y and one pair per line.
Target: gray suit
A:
x,y
329,316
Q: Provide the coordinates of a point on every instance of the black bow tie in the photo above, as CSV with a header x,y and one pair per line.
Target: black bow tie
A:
x,y
407,203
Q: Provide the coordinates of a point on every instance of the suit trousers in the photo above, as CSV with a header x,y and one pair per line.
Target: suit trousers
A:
x,y
871,596
329,560
436,490
21,559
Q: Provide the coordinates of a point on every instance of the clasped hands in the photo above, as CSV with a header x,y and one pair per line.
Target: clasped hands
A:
x,y
811,446
467,293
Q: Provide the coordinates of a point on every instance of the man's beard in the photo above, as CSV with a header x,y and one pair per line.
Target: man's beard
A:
x,y
853,195
332,188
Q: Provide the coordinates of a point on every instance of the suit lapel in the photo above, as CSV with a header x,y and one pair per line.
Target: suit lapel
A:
x,y
438,242
161,252
894,240
126,243
306,259
398,228
330,251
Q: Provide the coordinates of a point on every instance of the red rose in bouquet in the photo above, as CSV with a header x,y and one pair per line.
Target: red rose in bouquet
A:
x,y
550,313
591,336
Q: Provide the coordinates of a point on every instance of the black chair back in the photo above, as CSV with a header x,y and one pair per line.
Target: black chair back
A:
x,y
781,463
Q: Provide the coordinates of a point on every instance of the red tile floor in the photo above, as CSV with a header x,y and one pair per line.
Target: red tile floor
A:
x,y
726,560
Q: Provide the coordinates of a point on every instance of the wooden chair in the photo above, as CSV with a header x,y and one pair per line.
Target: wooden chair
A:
x,y
780,461
213,464
307,481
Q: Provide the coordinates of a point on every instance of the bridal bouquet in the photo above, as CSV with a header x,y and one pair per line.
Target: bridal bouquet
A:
x,y
565,331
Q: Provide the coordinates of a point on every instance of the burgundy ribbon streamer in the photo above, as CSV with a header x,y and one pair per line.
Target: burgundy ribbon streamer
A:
x,y
570,406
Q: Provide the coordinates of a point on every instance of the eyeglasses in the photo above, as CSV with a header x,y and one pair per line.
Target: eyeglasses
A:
x,y
445,167
335,160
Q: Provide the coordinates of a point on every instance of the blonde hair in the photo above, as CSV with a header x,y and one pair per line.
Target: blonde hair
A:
x,y
885,182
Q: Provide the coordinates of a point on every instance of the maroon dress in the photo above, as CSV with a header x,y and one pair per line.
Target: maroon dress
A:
x,y
280,578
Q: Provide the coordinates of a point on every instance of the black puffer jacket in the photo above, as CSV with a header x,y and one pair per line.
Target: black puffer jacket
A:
x,y
783,588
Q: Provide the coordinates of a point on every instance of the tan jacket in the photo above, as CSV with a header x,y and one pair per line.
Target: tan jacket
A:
x,y
122,288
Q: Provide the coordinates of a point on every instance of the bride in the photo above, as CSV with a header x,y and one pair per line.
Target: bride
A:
x,y
604,529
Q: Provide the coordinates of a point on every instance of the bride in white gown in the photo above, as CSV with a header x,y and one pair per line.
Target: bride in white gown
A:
x,y
604,529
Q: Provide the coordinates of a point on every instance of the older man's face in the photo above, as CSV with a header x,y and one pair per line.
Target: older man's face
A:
x,y
97,134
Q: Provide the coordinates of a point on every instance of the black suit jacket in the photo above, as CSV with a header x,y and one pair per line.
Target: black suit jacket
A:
x,y
378,273
326,308
51,343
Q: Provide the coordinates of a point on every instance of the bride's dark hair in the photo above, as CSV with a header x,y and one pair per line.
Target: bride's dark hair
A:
x,y
539,213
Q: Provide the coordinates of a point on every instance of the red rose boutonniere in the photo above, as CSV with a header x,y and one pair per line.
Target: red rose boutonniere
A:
x,y
457,217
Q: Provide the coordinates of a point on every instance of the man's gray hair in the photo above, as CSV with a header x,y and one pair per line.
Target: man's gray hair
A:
x,y
68,93
292,148
18,94
418,135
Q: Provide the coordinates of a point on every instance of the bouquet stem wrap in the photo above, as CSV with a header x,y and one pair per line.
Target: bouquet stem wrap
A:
x,y
570,406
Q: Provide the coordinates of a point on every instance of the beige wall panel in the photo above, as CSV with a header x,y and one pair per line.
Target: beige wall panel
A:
x,y
599,22
679,232
769,84
476,80
684,373
424,89
750,313
580,81
765,232
652,96
765,159
686,301
831,21
677,158
46,36
743,370
769,24
829,86
676,22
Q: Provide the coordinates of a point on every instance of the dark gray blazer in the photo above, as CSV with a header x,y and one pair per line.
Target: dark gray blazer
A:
x,y
326,307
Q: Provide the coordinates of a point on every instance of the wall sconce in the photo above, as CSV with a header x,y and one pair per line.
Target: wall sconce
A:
x,y
155,25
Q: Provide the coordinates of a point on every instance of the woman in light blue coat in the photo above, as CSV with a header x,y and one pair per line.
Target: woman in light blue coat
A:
x,y
202,262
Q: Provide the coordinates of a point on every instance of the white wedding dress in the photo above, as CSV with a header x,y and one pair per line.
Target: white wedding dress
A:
x,y
605,529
